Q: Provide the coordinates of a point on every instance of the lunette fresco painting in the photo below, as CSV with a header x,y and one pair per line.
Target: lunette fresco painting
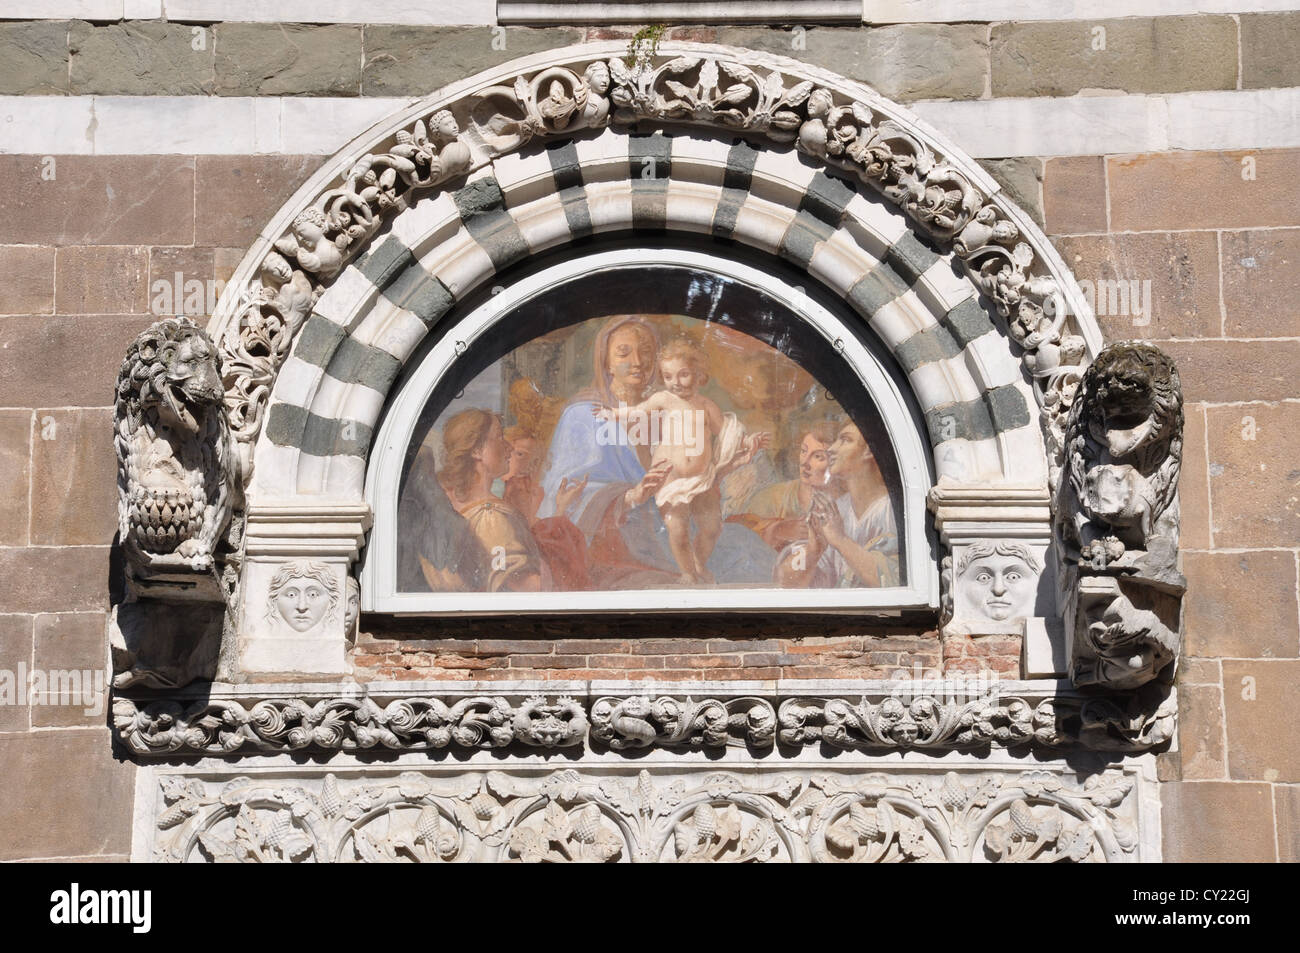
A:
x,y
686,446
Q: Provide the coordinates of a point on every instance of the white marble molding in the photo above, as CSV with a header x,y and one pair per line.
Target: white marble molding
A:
x,y
956,809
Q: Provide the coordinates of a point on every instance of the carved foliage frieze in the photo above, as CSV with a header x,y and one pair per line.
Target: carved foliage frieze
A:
x,y
323,236
905,721
684,816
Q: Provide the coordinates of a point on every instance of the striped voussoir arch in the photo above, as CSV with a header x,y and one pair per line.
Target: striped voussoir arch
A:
x,y
328,396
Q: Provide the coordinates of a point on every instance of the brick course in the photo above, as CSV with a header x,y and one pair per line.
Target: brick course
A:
x,y
878,656
1039,58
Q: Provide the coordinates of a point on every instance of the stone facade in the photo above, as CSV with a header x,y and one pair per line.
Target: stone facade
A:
x,y
86,245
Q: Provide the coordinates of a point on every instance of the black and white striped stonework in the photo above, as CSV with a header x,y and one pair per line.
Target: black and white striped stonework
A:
x,y
331,389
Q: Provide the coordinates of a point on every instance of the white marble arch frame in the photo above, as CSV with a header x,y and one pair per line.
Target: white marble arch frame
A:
x,y
305,477
447,251
379,576
297,476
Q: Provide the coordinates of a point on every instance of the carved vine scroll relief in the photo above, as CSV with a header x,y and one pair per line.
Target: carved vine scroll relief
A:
x,y
892,717
608,816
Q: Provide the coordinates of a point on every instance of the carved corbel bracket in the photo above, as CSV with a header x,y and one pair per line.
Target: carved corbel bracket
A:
x,y
177,491
1117,520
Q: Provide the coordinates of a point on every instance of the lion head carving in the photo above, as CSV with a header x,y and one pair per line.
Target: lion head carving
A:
x,y
173,369
1124,449
1117,518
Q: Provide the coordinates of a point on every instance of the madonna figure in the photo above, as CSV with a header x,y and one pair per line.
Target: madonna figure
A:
x,y
628,542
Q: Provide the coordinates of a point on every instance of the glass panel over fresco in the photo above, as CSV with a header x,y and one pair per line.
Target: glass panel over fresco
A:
x,y
649,429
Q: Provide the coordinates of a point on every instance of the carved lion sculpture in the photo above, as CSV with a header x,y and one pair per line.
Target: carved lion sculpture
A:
x,y
173,451
1117,519
1124,444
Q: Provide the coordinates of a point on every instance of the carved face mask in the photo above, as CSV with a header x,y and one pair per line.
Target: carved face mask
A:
x,y
352,608
999,587
302,603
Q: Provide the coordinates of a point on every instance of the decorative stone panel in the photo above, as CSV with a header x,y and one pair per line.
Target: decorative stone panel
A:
x,y
728,810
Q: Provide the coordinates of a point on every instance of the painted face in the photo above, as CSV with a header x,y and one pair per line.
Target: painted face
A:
x,y
1002,585
495,452
680,376
813,461
848,452
302,603
523,457
631,357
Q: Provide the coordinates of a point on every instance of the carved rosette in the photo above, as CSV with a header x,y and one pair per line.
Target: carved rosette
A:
x,y
596,816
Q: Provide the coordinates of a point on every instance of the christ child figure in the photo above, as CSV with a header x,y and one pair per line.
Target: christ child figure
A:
x,y
696,444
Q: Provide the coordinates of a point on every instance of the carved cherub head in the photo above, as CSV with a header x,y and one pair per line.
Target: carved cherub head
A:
x,y
442,126
597,76
309,226
275,269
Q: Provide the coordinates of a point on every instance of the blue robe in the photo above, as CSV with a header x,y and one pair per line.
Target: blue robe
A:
x,y
585,445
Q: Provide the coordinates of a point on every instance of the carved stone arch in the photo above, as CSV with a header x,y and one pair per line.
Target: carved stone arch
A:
x,y
410,218
963,292
759,176
327,399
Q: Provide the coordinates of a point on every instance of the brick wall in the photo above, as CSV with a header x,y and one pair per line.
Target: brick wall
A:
x,y
772,650
80,248
77,254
